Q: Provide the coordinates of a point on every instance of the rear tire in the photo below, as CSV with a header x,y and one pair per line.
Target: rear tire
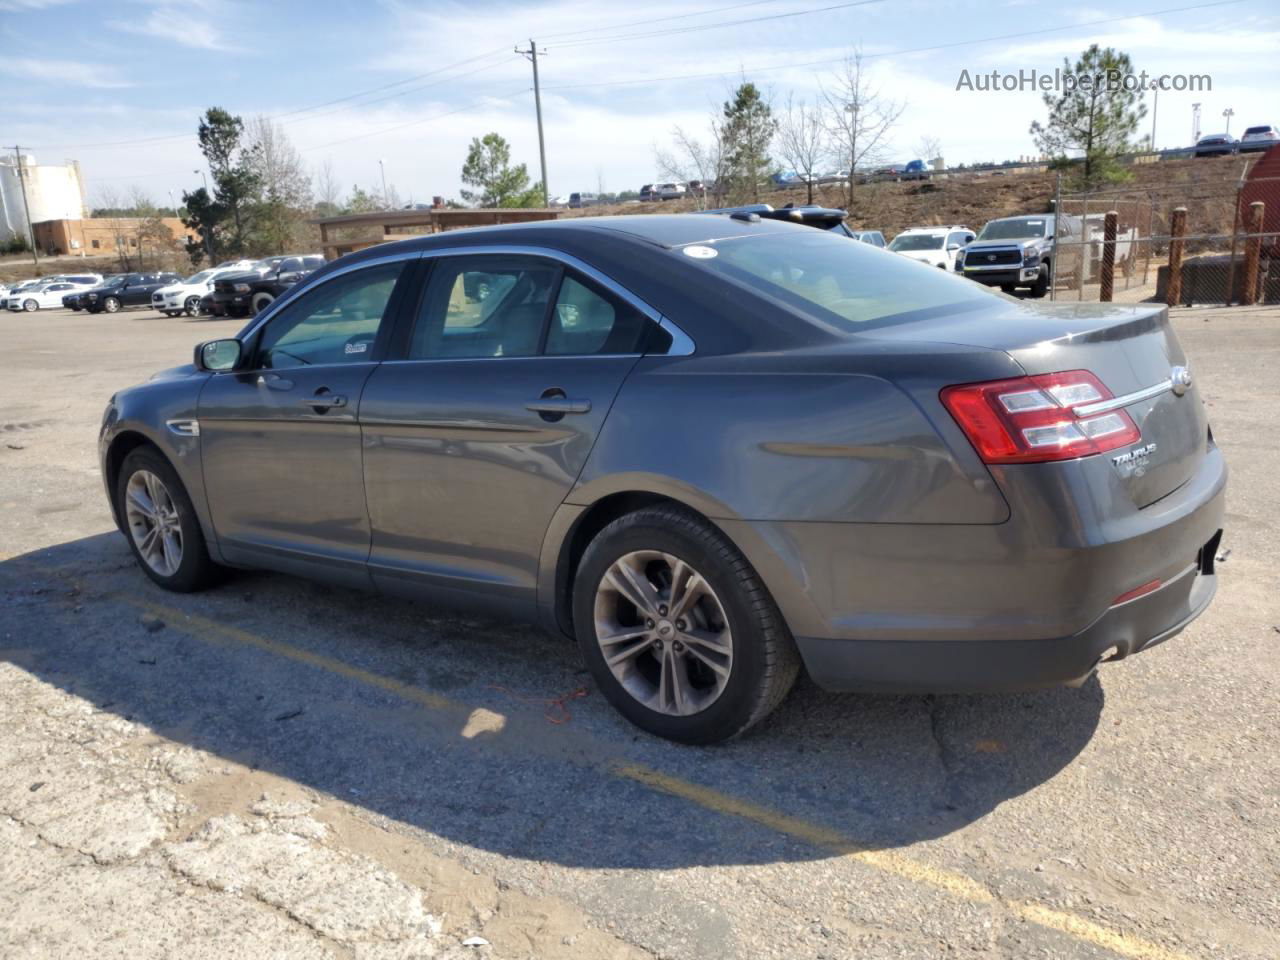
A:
x,y
728,615
175,556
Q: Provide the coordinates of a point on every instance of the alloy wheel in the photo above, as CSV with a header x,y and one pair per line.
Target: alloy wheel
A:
x,y
154,523
111,305
663,632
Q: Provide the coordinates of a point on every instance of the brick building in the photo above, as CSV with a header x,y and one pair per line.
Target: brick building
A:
x,y
102,235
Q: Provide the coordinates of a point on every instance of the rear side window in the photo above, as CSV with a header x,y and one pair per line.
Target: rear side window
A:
x,y
840,283
586,320
484,306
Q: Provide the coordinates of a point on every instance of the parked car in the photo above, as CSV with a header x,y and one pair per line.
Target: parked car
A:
x,y
809,215
903,482
1014,252
836,176
1262,137
646,193
75,299
1215,145
936,246
873,237
670,191
184,296
579,200
126,290
49,295
914,170
245,294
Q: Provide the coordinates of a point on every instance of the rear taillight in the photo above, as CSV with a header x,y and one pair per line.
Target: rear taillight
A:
x,y
1031,419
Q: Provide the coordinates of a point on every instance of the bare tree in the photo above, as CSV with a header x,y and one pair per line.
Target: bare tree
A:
x,y
286,188
690,159
328,193
930,149
858,119
802,140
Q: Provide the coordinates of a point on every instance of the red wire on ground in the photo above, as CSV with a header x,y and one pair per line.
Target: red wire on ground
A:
x,y
557,710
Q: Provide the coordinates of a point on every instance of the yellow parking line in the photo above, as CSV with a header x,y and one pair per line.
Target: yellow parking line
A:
x,y
957,885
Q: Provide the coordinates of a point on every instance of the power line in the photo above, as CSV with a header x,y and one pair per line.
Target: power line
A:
x,y
400,126
697,28
650,20
893,53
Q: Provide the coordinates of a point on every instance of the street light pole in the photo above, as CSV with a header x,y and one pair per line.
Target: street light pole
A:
x,y
1195,123
1228,113
532,55
382,168
1155,106
208,243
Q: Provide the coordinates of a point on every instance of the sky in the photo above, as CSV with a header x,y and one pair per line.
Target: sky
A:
x,y
120,86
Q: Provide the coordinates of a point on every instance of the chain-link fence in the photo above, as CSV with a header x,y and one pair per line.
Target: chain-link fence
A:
x,y
1191,243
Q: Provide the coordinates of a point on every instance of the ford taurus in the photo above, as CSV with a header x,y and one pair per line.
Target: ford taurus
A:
x,y
711,449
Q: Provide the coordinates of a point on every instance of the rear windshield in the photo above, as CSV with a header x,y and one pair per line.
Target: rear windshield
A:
x,y
1257,130
917,241
845,284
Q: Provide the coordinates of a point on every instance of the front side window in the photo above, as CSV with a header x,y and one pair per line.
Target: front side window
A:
x,y
337,322
916,241
484,306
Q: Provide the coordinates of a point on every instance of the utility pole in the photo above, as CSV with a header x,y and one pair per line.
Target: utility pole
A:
x,y
1228,113
1155,106
382,168
1195,123
26,206
532,55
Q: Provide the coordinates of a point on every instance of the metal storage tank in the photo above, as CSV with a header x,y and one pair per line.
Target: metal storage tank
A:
x,y
54,192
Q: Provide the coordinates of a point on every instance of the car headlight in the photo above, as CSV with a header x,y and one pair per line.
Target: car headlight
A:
x,y
242,288
1030,258
959,259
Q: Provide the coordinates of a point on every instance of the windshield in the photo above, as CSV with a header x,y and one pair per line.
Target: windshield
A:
x,y
200,277
1013,229
842,284
917,241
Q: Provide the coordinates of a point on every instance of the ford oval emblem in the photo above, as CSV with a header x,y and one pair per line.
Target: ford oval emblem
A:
x,y
1180,380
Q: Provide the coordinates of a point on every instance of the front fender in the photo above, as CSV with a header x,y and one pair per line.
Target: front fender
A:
x,y
149,413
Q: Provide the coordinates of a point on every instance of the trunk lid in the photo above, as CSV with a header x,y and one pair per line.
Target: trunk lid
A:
x,y
1130,349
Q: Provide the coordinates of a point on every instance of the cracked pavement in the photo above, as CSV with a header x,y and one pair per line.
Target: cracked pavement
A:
x,y
279,769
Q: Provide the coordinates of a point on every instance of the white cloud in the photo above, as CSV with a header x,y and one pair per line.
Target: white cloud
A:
x,y
186,23
72,73
22,6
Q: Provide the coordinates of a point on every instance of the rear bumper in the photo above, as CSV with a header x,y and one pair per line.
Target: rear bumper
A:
x,y
986,607
993,666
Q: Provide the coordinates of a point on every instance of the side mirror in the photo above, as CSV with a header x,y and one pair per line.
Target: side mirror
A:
x,y
218,356
290,276
953,246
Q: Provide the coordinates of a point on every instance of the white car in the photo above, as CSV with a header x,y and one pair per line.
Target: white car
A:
x,y
936,246
1262,137
48,294
184,297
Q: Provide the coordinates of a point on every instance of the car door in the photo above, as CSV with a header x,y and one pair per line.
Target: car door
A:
x,y
475,435
279,440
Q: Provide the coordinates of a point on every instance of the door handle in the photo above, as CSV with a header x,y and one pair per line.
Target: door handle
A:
x,y
558,405
325,401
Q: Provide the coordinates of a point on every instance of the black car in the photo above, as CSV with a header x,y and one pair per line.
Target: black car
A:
x,y
824,218
246,294
125,290
75,300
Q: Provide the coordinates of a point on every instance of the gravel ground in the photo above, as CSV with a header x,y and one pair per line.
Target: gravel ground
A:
x,y
275,768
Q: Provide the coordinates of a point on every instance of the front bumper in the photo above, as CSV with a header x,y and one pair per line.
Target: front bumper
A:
x,y
230,305
1017,276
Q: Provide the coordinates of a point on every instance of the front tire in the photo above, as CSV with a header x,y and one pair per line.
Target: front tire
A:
x,y
191,307
1041,286
260,302
678,630
111,305
161,525
30,306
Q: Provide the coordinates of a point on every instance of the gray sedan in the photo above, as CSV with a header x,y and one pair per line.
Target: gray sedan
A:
x,y
711,449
